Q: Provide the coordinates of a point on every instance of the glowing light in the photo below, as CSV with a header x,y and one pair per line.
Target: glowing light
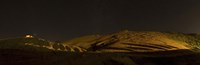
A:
x,y
28,36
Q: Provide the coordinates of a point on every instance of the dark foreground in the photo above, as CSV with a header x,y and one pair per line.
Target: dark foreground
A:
x,y
19,57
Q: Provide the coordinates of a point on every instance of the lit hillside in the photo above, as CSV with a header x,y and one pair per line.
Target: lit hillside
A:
x,y
142,41
120,48
84,41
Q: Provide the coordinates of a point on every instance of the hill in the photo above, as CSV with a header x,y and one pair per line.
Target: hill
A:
x,y
142,41
37,44
120,48
84,41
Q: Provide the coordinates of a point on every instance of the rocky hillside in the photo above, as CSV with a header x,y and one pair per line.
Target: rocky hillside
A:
x,y
37,44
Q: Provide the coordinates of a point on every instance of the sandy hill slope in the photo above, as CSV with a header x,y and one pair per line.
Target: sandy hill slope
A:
x,y
142,41
83,41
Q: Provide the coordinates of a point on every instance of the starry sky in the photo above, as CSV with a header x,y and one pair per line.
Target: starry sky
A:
x,y
66,19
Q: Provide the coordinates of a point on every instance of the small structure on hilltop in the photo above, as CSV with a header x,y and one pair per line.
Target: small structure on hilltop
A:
x,y
29,36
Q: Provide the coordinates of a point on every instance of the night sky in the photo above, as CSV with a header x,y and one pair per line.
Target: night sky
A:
x,y
66,19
